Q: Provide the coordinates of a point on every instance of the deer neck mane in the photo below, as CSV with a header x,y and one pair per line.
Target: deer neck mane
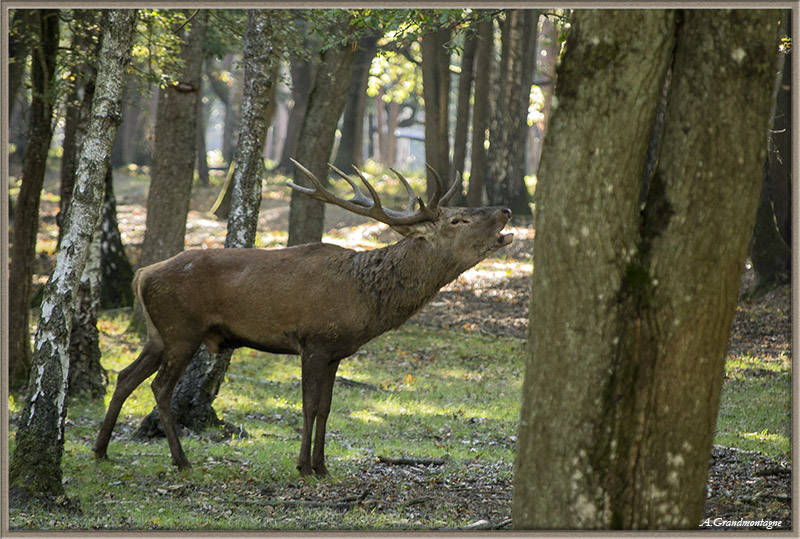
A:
x,y
401,278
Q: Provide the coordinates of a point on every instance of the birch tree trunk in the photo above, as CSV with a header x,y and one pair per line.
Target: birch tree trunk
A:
x,y
35,466
630,311
198,387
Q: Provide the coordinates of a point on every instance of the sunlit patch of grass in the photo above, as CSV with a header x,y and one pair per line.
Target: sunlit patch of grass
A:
x,y
755,405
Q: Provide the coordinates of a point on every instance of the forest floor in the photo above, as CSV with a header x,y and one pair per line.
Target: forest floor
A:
x,y
492,299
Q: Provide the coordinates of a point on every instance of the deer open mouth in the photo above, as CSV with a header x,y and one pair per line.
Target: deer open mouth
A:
x,y
505,239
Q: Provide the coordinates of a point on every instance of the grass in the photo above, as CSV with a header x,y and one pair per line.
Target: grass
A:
x,y
422,393
755,408
449,397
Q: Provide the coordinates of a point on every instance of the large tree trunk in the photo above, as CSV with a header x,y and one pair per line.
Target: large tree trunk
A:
x,y
26,211
199,385
35,465
175,151
351,145
630,312
325,105
436,92
508,128
480,113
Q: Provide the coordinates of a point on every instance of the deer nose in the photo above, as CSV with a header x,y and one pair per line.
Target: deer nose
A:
x,y
506,212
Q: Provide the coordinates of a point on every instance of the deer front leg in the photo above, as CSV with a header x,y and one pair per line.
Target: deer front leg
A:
x,y
312,374
326,394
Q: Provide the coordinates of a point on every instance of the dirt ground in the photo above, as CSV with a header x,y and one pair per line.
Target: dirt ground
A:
x,y
495,300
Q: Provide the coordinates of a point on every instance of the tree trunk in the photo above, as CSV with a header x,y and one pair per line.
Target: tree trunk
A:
x,y
636,308
26,211
508,128
35,464
199,385
203,172
351,145
175,151
222,206
436,92
116,272
19,46
303,71
463,114
86,376
780,146
85,28
325,105
480,113
771,257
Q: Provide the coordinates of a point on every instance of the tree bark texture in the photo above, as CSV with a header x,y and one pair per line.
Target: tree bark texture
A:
x,y
351,145
771,257
780,143
508,127
480,113
199,385
86,30
325,105
175,151
35,466
26,211
86,374
303,71
630,312
436,92
463,113
19,47
116,272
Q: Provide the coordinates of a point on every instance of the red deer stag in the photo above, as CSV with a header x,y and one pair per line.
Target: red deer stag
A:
x,y
317,300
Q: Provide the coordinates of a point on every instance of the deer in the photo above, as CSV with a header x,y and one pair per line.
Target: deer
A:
x,y
316,300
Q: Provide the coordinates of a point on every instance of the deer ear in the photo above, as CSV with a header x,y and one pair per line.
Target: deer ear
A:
x,y
423,230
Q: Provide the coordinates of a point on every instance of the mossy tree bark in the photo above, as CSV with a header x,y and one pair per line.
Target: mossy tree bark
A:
x,y
630,311
35,466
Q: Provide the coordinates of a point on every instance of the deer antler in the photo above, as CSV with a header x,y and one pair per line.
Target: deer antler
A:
x,y
371,206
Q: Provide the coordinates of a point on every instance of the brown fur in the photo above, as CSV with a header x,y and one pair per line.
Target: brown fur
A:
x,y
317,300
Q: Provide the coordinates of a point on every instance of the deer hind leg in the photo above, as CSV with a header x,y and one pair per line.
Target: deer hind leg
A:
x,y
312,374
175,363
325,397
129,379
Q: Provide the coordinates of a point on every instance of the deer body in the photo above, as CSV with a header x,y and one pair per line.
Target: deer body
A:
x,y
320,301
